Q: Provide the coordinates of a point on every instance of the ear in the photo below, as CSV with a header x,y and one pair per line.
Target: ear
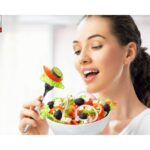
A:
x,y
131,50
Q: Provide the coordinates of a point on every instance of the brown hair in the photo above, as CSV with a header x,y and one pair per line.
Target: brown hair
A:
x,y
125,29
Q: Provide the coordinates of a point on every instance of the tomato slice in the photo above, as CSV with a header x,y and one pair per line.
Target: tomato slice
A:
x,y
73,122
72,110
101,112
89,102
51,75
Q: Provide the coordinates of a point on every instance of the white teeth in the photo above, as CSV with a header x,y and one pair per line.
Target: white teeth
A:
x,y
86,72
90,71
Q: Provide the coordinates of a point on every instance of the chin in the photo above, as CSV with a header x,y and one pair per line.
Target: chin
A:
x,y
92,89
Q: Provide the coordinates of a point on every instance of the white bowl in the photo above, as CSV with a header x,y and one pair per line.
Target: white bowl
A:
x,y
82,129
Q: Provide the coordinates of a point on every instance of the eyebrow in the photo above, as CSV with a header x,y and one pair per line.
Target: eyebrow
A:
x,y
92,36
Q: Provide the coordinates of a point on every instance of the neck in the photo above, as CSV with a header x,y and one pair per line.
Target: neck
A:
x,y
123,93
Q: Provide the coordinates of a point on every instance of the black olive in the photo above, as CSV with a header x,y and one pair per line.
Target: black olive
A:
x,y
106,108
79,101
83,115
58,114
50,104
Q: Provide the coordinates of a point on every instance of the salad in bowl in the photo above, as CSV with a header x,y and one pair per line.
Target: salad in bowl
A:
x,y
82,114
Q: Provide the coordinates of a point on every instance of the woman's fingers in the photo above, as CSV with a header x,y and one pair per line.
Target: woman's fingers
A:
x,y
28,113
33,104
30,121
26,121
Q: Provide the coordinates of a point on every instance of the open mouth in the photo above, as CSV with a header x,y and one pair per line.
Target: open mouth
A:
x,y
89,73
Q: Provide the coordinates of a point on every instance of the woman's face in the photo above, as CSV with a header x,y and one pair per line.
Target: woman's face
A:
x,y
99,56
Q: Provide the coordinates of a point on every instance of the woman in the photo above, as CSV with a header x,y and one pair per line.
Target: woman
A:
x,y
111,47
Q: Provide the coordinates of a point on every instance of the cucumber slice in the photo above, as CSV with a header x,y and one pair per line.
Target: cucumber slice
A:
x,y
57,72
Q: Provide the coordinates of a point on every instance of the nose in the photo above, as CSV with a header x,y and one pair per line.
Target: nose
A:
x,y
85,58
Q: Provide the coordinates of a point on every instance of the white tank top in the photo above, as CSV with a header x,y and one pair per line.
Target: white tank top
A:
x,y
140,125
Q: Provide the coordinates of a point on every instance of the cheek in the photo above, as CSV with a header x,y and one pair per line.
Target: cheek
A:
x,y
76,64
110,62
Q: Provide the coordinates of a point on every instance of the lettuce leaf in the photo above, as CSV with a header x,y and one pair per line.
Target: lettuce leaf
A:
x,y
44,112
88,111
49,81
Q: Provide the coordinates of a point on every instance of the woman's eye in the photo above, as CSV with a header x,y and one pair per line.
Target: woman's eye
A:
x,y
97,47
77,52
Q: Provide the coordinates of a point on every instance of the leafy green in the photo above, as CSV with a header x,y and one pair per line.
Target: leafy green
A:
x,y
111,105
64,102
50,116
71,102
66,113
44,112
100,100
83,96
88,111
105,113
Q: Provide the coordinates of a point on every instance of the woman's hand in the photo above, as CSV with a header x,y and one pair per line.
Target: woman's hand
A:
x,y
29,116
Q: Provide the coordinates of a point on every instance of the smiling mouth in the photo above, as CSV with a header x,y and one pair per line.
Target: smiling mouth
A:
x,y
89,73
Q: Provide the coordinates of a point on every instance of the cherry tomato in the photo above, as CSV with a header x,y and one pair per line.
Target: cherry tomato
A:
x,y
72,110
101,112
89,102
73,122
